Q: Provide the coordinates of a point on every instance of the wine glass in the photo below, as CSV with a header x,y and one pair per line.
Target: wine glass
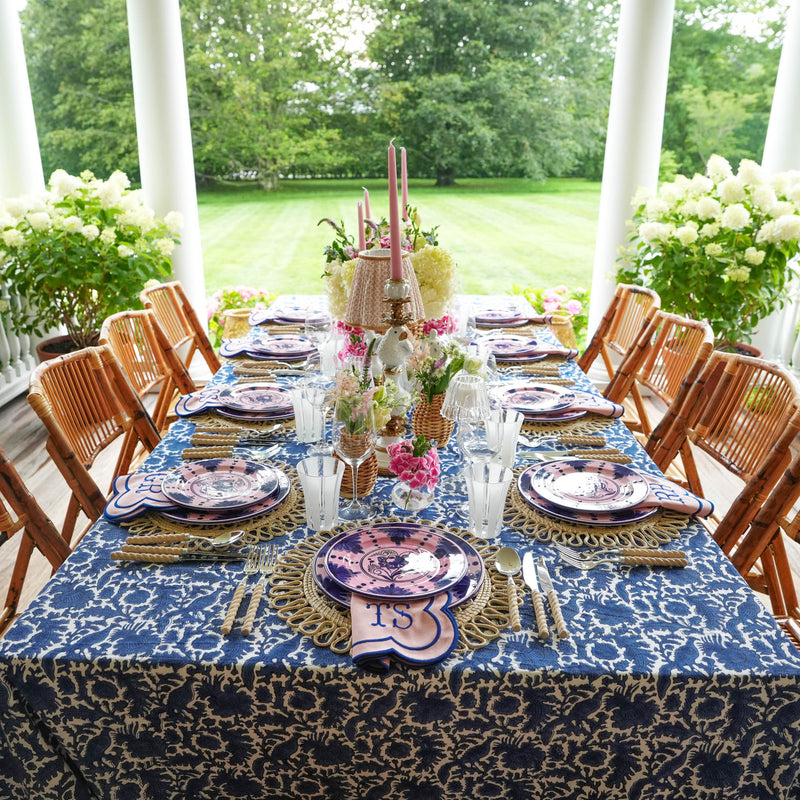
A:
x,y
353,435
318,328
317,390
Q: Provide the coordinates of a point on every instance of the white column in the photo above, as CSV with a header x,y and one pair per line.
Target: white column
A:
x,y
775,334
633,140
162,124
20,160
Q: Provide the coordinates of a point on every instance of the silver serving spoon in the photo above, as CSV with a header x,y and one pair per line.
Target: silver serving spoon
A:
x,y
221,540
507,562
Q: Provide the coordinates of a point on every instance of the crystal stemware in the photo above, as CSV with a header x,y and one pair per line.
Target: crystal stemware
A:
x,y
318,328
353,435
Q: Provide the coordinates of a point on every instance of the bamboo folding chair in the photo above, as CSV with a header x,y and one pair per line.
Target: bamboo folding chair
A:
x,y
142,348
666,360
742,413
630,309
86,402
180,322
21,514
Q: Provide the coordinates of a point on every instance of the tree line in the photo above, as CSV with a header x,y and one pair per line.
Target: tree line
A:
x,y
472,88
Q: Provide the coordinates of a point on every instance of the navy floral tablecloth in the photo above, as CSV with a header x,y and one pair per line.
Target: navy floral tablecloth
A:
x,y
116,683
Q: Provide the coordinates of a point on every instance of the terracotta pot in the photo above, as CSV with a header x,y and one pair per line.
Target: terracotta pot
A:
x,y
54,347
427,421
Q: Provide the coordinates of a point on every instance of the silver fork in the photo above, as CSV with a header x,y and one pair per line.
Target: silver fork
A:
x,y
250,568
266,566
612,552
630,561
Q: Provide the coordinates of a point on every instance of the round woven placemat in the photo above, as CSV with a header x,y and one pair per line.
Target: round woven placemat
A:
x,y
306,610
660,529
591,423
287,516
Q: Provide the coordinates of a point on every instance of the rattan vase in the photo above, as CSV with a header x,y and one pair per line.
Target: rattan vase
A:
x,y
561,326
427,421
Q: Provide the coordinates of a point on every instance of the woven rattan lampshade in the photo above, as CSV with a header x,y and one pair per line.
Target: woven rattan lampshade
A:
x,y
365,302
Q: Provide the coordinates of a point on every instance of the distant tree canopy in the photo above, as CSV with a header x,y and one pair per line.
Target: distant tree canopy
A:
x,y
508,88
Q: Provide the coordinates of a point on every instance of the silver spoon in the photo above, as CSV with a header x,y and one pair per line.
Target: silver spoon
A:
x,y
221,540
507,562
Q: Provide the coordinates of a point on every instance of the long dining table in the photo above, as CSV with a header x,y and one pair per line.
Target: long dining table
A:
x,y
117,682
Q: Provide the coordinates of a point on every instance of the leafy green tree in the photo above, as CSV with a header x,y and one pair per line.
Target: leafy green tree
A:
x,y
80,73
488,88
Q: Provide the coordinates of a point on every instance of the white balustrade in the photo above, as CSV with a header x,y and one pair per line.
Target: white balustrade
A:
x,y
17,352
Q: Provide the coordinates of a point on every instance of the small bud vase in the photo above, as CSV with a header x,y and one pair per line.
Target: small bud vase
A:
x,y
409,499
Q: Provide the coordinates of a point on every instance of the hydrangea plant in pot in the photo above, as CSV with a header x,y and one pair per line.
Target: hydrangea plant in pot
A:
x,y
718,246
80,252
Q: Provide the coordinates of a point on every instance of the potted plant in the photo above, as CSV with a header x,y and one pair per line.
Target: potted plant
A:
x,y
80,252
230,299
718,246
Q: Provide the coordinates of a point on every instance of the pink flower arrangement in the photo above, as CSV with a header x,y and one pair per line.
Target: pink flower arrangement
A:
x,y
415,462
442,326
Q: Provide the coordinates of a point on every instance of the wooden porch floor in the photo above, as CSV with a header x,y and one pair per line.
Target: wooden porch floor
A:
x,y
22,436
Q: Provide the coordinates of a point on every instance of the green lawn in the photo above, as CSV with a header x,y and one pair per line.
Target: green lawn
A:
x,y
501,231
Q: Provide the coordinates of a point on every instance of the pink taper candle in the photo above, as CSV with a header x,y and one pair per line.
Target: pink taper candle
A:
x,y
366,204
404,181
362,241
396,257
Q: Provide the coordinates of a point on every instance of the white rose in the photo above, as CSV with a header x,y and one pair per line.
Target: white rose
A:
x,y
731,190
735,217
718,168
686,234
125,251
754,256
39,220
708,208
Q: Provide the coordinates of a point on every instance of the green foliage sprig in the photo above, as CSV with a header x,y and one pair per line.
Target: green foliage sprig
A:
x,y
232,297
560,300
80,252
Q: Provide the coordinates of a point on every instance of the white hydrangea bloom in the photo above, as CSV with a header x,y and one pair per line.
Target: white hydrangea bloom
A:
x,y
764,198
738,273
713,249
656,206
709,230
18,207
672,194
109,194
735,217
689,208
131,201
750,172
125,251
165,246
39,220
782,208
73,223
708,208
731,190
174,221
13,238
718,168
686,234
655,231
768,233
90,232
754,256
700,185
642,195
63,184
108,236
787,227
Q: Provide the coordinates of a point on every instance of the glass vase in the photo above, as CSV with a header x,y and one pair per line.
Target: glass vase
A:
x,y
409,499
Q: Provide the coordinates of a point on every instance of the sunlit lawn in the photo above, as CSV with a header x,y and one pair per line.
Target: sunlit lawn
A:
x,y
502,232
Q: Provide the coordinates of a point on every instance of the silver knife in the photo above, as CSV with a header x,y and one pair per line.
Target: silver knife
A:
x,y
529,574
552,598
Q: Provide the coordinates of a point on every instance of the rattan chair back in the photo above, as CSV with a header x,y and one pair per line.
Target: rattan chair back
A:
x,y
86,403
23,522
149,360
180,322
666,360
630,309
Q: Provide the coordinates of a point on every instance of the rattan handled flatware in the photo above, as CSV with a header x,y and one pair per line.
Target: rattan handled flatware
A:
x,y
507,563
266,564
529,574
552,598
250,568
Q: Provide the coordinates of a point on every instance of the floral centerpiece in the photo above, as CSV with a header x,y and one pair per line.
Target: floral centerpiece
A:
x,y
718,246
230,297
416,464
81,251
572,302
434,266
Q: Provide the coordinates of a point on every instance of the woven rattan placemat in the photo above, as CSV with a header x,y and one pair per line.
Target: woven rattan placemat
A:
x,y
295,596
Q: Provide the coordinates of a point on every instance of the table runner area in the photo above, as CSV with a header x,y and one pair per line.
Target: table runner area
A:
x,y
117,683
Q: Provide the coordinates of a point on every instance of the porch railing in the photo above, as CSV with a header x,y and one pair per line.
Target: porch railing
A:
x,y
17,352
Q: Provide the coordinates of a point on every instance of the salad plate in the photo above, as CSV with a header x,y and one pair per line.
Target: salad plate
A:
x,y
536,398
256,397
